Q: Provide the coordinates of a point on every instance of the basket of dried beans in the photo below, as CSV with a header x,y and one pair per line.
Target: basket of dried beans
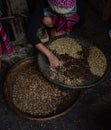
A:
x,y
82,65
31,96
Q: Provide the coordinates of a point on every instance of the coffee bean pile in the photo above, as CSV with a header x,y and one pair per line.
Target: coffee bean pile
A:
x,y
66,46
97,61
32,94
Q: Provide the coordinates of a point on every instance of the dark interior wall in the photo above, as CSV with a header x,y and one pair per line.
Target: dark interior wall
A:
x,y
2,7
31,5
98,5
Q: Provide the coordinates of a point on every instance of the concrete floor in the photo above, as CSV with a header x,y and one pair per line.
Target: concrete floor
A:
x,y
93,110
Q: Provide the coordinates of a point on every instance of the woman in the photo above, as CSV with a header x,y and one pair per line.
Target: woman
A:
x,y
60,15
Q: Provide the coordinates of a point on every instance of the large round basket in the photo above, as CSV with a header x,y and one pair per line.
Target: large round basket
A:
x,y
31,96
82,64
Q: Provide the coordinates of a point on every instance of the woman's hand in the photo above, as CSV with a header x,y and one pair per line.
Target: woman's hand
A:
x,y
53,60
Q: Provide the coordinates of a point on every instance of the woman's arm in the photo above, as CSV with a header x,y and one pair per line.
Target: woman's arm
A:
x,y
36,22
53,60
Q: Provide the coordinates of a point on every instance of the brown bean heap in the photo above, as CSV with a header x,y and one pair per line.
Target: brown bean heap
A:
x,y
72,71
32,94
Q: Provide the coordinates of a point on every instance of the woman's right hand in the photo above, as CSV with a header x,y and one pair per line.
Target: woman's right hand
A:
x,y
53,60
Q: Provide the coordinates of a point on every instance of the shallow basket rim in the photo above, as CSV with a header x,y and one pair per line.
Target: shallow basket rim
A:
x,y
44,66
29,116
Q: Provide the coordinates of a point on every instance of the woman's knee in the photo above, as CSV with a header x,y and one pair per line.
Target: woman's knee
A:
x,y
47,22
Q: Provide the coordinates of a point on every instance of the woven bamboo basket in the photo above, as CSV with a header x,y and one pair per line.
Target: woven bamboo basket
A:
x,y
82,63
32,103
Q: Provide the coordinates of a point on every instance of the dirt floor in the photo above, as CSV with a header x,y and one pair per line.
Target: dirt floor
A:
x,y
93,110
